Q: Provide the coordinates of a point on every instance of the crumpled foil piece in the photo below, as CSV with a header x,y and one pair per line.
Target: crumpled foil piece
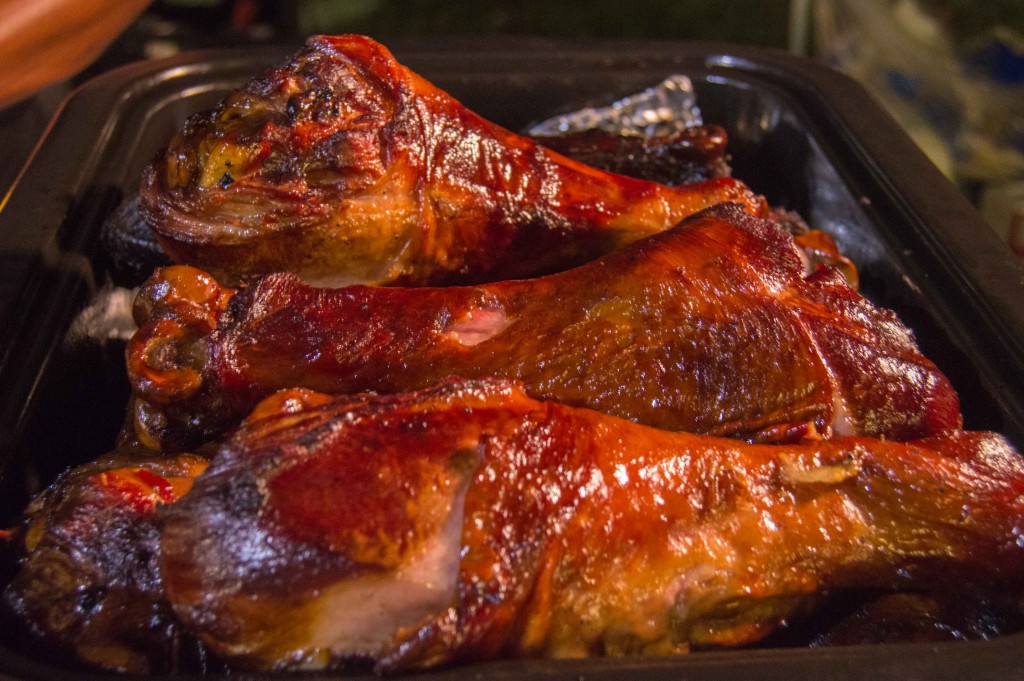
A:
x,y
107,318
669,106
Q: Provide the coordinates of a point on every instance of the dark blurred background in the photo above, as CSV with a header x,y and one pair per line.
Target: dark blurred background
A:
x,y
199,22
952,71
168,27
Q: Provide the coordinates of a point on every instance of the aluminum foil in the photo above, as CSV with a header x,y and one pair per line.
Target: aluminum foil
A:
x,y
669,106
107,318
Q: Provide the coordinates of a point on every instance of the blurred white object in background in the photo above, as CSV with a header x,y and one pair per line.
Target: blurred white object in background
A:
x,y
962,104
1003,208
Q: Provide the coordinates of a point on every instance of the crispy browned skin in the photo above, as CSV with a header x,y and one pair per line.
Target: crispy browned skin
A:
x,y
469,522
710,327
90,575
693,154
820,249
345,167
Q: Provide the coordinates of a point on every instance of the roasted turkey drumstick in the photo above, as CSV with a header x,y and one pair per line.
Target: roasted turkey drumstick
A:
x,y
709,327
469,521
345,167
90,578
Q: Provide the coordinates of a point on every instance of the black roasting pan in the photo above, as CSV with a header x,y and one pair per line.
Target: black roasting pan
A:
x,y
810,139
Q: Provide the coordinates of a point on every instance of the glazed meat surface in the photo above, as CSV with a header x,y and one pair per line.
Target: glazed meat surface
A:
x,y
470,522
345,167
90,578
693,154
711,327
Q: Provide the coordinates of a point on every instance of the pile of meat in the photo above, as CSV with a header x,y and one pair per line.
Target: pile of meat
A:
x,y
419,390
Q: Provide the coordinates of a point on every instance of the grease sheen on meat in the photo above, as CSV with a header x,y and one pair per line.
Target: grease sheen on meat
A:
x,y
345,167
90,573
711,327
470,522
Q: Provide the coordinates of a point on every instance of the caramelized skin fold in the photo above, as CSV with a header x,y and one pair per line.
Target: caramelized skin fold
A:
x,y
90,579
470,521
710,327
694,154
345,167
